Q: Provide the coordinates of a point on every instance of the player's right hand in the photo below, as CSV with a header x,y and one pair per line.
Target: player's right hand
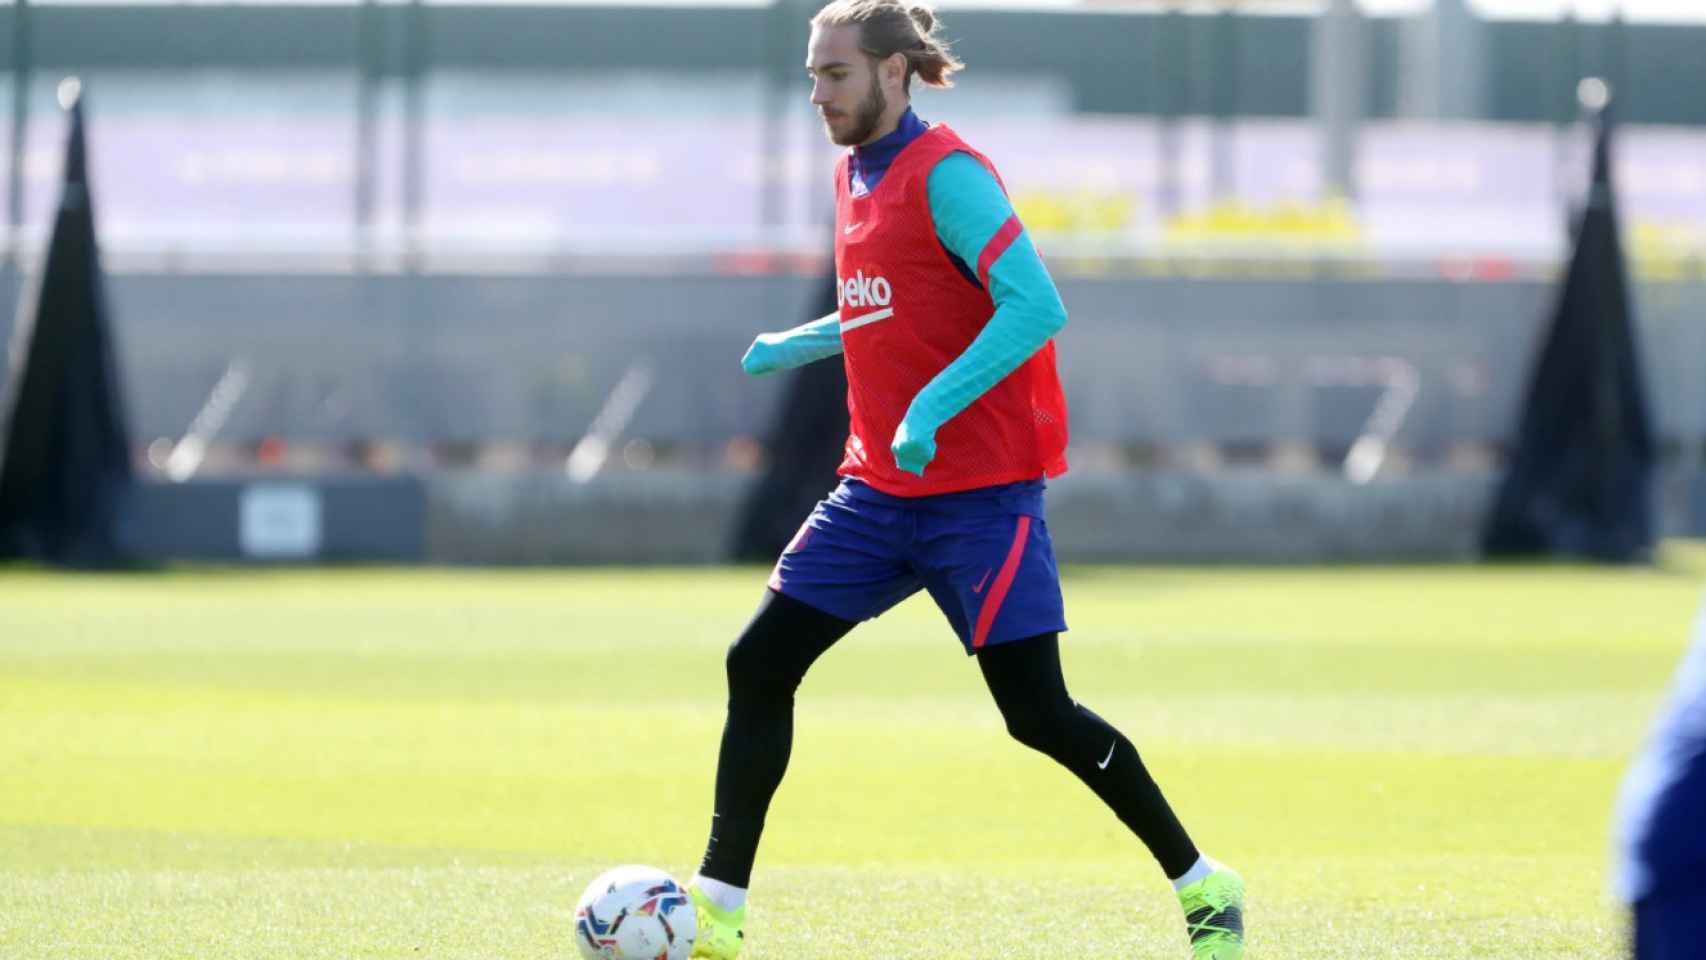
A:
x,y
764,354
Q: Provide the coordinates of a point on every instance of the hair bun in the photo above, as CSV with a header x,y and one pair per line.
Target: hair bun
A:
x,y
922,16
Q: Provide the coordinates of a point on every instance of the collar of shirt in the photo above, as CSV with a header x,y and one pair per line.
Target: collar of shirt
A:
x,y
872,160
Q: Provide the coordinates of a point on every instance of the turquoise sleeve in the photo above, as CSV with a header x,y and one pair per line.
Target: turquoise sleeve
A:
x,y
973,219
793,348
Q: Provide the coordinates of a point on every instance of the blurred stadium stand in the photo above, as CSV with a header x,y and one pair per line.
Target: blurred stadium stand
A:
x,y
434,237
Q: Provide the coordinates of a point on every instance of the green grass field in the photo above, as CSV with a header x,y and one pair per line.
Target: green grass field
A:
x,y
1404,762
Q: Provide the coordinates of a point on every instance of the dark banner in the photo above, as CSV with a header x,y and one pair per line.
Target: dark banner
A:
x,y
64,448
1580,481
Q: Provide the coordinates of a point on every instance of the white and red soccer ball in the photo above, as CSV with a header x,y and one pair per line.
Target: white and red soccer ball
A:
x,y
635,913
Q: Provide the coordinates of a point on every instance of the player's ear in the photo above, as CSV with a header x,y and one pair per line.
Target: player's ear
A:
x,y
894,69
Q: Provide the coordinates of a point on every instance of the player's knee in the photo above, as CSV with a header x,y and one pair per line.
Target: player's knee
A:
x,y
744,666
1038,727
755,671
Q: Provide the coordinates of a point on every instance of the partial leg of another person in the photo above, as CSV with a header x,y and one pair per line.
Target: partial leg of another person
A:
x,y
1670,844
1661,821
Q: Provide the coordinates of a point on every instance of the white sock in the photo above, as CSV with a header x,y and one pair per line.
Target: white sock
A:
x,y
726,896
1198,871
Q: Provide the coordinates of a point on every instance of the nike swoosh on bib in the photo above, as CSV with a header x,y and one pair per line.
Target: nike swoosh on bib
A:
x,y
865,318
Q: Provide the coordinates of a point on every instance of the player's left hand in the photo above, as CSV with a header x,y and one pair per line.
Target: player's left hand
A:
x,y
762,357
913,448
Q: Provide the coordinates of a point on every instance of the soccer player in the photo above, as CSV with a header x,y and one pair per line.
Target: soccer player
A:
x,y
956,413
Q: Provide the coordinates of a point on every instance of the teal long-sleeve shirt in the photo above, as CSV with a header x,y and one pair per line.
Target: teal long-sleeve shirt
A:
x,y
970,209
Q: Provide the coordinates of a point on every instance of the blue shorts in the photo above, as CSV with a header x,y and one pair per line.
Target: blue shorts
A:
x,y
984,555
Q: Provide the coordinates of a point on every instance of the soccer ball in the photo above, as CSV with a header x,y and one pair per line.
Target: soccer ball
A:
x,y
635,913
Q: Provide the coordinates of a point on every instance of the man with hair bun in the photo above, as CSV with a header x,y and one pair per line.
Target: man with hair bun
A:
x,y
945,323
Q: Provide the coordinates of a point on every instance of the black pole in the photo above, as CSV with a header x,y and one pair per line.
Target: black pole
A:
x,y
368,63
1223,93
21,70
772,126
1171,78
415,56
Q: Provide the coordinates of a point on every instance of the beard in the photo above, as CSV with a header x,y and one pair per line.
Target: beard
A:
x,y
866,116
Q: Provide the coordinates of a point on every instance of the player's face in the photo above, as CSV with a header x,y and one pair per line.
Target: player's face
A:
x,y
845,86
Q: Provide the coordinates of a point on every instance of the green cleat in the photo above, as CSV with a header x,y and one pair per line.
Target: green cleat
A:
x,y
720,936
1214,916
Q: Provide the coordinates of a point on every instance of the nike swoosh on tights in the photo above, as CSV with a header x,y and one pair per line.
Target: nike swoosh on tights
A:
x,y
1109,758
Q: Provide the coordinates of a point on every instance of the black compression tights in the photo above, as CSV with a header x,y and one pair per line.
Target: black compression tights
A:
x,y
767,662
